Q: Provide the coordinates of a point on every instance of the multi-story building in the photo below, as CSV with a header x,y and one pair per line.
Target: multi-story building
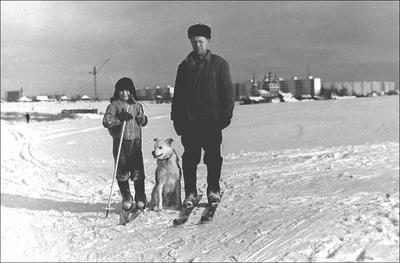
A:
x,y
14,95
156,92
242,90
141,93
253,85
246,89
163,92
358,88
271,85
150,93
300,88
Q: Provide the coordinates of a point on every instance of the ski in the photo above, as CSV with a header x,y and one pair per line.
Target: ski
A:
x,y
209,212
127,216
185,213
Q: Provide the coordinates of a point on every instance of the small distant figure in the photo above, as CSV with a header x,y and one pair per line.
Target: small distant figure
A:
x,y
27,117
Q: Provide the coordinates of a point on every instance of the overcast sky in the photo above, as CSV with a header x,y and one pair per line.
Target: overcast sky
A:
x,y
50,47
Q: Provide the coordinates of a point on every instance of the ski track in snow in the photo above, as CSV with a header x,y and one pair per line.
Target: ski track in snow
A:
x,y
320,204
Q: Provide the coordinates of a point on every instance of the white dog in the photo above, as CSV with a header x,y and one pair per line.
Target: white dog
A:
x,y
167,191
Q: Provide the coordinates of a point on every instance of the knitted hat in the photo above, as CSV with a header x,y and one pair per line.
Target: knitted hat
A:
x,y
127,84
199,30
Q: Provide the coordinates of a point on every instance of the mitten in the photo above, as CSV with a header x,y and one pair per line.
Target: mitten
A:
x,y
124,116
142,120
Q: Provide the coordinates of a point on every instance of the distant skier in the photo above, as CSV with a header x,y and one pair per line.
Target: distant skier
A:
x,y
124,106
27,117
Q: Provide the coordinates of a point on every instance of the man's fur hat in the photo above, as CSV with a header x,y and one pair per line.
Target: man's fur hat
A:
x,y
199,30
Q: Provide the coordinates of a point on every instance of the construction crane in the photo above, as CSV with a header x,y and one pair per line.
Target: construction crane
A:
x,y
22,88
94,72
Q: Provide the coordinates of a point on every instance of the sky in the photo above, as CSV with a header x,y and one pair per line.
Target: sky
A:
x,y
49,47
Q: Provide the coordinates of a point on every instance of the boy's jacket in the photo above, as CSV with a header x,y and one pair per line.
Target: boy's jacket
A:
x,y
114,125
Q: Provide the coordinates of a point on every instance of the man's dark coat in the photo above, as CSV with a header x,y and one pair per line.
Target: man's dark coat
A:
x,y
203,91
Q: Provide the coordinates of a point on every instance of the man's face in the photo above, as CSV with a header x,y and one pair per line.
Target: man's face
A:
x,y
199,44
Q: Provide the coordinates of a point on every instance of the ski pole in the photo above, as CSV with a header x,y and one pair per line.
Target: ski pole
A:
x,y
115,167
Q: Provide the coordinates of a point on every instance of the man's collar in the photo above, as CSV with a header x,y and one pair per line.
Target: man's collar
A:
x,y
207,56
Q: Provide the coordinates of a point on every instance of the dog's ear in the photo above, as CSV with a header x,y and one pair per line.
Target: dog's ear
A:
x,y
169,141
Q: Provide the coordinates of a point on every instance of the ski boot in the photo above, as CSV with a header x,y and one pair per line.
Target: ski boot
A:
x,y
141,204
190,201
127,199
140,196
213,198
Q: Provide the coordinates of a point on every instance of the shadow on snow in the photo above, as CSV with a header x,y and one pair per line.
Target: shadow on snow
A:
x,y
17,201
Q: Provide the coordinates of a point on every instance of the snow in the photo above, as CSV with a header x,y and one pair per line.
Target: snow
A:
x,y
315,181
25,99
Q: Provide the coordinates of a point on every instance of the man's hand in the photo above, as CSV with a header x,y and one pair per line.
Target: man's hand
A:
x,y
124,116
224,123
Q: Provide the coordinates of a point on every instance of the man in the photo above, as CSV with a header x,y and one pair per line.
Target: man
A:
x,y
201,108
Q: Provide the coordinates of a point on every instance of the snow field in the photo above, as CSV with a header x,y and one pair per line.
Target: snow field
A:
x,y
292,193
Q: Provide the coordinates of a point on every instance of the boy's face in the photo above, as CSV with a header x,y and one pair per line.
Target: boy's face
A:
x,y
124,94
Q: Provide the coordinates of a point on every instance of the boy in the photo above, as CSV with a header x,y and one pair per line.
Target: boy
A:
x,y
124,106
